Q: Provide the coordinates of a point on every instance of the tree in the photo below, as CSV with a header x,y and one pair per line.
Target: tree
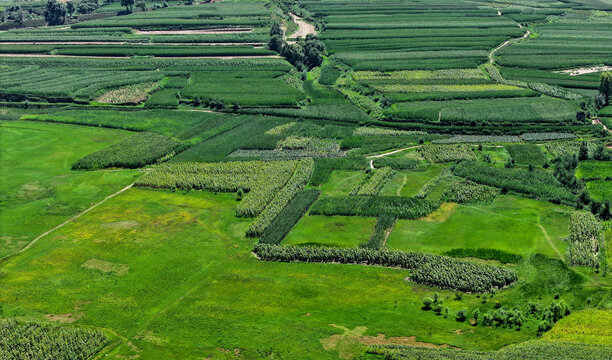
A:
x,y
55,12
475,315
141,5
581,116
276,43
70,8
427,303
461,315
605,85
87,6
583,154
128,4
276,30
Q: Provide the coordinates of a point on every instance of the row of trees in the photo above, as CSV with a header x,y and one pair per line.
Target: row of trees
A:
x,y
55,11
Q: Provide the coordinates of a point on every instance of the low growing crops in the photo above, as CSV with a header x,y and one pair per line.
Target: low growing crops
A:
x,y
400,207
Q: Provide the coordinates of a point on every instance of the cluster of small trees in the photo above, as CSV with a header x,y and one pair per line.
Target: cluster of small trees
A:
x,y
304,54
501,316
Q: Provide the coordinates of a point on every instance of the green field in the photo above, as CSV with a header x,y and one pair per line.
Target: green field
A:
x,y
515,225
306,179
41,192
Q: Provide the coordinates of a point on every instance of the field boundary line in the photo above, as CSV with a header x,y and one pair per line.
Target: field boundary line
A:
x,y
74,217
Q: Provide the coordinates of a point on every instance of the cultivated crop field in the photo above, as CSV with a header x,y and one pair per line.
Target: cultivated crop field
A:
x,y
306,179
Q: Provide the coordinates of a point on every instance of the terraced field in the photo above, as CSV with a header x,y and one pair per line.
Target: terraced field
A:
x,y
300,179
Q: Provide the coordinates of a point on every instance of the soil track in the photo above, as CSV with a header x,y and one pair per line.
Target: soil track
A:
x,y
304,28
506,43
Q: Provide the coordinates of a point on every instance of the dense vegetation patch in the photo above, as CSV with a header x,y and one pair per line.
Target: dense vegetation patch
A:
x,y
139,150
33,340
400,207
536,183
432,270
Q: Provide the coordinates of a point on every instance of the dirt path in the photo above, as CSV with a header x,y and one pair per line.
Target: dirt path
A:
x,y
304,28
550,242
506,43
127,57
66,222
393,152
598,121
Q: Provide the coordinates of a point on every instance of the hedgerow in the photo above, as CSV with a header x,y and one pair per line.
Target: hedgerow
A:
x,y
136,151
537,183
296,183
433,270
400,207
35,340
447,153
464,191
396,163
585,239
547,136
503,257
478,139
289,216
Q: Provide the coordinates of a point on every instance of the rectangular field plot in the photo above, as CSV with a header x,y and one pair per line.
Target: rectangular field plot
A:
x,y
511,224
409,182
341,231
600,190
341,182
593,169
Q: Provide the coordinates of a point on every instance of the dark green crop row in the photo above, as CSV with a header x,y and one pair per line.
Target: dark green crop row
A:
x,y
400,207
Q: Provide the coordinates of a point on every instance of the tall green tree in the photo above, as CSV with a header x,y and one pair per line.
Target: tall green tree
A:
x,y
605,85
128,5
55,12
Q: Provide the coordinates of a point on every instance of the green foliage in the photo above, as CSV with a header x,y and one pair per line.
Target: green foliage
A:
x,y
464,191
372,184
478,139
296,183
502,256
400,207
289,216
432,270
329,75
164,98
382,229
447,153
263,180
547,136
534,349
585,239
34,340
325,166
396,163
537,183
139,150
526,154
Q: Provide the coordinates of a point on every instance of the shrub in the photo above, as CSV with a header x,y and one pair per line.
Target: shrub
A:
x,y
461,315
